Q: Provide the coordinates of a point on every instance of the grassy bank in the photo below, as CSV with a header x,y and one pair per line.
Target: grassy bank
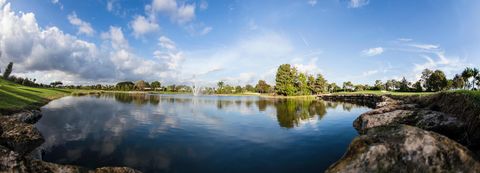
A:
x,y
14,97
386,93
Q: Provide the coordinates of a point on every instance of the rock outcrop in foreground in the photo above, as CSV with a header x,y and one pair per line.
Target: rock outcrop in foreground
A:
x,y
440,141
19,137
403,148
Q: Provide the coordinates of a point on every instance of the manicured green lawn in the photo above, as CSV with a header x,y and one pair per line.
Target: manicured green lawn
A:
x,y
473,94
387,93
14,97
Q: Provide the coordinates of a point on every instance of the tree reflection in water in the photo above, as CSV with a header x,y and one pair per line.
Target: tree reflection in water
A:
x,y
182,133
289,112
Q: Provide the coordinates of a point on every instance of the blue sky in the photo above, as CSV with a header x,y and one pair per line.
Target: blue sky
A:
x,y
240,42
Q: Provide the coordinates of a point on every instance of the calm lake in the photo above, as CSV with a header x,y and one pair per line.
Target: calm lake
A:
x,y
183,133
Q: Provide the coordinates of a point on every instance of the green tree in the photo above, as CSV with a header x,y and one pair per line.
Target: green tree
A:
x,y
311,83
320,84
458,82
8,71
404,85
333,87
55,84
466,75
418,86
285,80
437,81
238,89
359,87
348,86
221,87
262,87
125,86
426,73
379,85
249,88
302,85
390,85
140,85
155,85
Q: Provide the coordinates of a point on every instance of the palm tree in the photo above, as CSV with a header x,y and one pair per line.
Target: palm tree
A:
x,y
475,75
467,74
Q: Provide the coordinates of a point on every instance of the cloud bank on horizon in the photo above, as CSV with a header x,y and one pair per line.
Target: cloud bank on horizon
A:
x,y
240,42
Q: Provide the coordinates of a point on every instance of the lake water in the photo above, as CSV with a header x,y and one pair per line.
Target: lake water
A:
x,y
182,133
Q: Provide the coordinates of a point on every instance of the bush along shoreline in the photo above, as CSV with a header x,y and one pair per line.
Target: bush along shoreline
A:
x,y
431,133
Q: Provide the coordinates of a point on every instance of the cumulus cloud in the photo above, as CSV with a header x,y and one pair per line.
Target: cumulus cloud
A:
x,y
373,51
141,26
180,13
116,37
172,58
357,3
48,53
309,68
83,27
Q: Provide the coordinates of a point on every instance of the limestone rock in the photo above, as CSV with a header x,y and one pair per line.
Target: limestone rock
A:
x,y
115,170
18,136
30,117
404,148
368,120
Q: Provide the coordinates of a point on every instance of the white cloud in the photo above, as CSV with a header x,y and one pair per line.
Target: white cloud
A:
x,y
141,26
83,27
49,54
373,51
312,2
309,68
115,35
206,30
439,61
405,39
110,5
166,43
357,3
241,79
185,13
425,46
181,14
242,53
57,2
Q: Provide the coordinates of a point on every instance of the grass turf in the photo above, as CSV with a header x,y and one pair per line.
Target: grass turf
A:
x,y
14,97
385,93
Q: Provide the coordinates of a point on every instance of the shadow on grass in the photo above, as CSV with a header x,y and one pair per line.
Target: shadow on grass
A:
x,y
34,97
59,90
30,90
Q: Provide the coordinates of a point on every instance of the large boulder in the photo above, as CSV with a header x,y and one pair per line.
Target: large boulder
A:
x,y
115,170
18,136
370,120
29,116
12,162
445,124
403,148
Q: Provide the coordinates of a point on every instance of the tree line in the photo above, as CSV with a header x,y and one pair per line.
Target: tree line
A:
x,y
288,82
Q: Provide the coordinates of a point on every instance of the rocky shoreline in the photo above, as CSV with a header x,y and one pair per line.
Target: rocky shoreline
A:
x,y
19,137
412,134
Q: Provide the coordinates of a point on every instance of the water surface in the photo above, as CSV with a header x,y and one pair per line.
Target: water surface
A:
x,y
181,133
